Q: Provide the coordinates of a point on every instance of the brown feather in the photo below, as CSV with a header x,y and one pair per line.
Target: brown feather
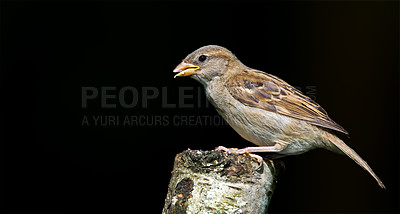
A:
x,y
261,90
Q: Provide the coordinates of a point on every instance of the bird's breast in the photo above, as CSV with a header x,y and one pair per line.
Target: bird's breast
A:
x,y
261,127
255,125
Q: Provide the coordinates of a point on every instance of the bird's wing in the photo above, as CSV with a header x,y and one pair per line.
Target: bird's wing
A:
x,y
264,91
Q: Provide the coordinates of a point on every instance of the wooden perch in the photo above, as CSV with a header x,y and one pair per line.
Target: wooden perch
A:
x,y
217,182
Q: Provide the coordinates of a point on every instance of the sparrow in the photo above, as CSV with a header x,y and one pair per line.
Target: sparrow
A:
x,y
264,109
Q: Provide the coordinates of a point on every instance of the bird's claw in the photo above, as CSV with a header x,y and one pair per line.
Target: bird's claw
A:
x,y
229,150
258,158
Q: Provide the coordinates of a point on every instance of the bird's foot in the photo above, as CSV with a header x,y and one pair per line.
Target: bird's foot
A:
x,y
241,151
230,150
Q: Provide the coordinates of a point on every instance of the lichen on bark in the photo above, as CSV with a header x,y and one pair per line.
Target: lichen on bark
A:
x,y
217,182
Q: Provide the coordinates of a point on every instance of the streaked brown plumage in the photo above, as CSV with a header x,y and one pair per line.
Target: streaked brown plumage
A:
x,y
264,109
264,91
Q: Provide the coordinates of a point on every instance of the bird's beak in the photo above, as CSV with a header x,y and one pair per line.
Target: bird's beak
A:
x,y
185,69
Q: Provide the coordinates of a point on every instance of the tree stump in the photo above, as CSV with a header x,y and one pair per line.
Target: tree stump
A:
x,y
217,182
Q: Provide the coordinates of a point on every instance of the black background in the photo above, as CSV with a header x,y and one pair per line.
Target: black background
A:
x,y
347,51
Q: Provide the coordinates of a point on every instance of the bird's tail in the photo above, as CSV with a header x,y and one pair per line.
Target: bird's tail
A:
x,y
353,155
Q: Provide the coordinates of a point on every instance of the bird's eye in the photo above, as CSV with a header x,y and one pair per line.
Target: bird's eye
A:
x,y
202,58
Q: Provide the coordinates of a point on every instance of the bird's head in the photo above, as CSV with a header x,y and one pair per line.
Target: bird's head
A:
x,y
206,63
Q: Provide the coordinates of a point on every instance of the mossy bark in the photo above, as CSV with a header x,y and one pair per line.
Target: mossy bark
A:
x,y
217,182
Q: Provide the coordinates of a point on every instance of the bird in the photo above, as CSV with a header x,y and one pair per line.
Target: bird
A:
x,y
263,109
